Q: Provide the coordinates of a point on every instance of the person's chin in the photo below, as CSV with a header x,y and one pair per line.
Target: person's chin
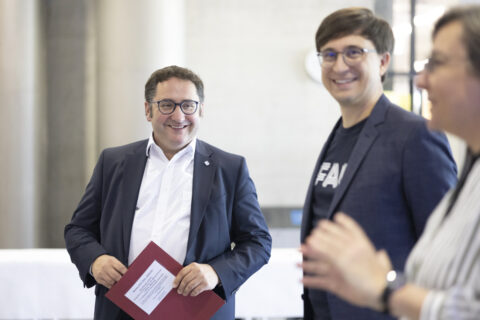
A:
x,y
342,94
434,125
178,135
345,99
180,143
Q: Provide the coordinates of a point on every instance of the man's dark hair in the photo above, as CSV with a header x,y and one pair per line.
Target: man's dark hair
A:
x,y
469,18
359,21
165,74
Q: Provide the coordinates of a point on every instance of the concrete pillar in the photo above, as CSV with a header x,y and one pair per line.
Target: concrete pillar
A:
x,y
22,118
71,79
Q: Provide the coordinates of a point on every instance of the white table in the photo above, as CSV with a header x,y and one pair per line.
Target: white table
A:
x,y
275,290
44,284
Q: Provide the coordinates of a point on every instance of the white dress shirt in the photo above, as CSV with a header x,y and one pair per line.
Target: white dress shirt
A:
x,y
164,202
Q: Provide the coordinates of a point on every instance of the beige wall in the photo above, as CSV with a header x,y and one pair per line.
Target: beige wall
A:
x,y
260,102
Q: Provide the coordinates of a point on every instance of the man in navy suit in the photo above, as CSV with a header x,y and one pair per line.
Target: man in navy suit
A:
x,y
195,201
380,164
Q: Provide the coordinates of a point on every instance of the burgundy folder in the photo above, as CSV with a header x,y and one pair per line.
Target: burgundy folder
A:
x,y
174,305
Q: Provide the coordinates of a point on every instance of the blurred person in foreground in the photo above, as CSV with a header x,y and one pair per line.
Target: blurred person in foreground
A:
x,y
380,162
197,202
442,274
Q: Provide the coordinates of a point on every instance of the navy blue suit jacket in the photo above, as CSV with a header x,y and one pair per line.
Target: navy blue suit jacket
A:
x,y
397,173
224,210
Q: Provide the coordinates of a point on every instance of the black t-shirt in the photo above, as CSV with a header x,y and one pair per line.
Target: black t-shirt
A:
x,y
332,169
329,177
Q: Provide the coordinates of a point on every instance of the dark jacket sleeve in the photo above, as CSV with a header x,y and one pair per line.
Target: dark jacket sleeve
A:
x,y
249,232
82,234
429,171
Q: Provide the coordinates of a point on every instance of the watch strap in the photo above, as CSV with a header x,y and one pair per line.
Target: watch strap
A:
x,y
395,281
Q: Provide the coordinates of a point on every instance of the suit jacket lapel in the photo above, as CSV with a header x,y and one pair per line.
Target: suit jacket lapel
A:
x,y
204,168
133,173
367,136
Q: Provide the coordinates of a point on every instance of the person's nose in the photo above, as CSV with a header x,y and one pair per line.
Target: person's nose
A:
x,y
177,114
421,80
339,64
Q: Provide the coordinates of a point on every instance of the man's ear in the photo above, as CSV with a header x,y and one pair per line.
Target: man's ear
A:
x,y
200,112
148,111
384,62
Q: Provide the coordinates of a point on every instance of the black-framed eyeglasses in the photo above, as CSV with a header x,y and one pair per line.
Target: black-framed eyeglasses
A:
x,y
433,63
167,106
351,56
439,60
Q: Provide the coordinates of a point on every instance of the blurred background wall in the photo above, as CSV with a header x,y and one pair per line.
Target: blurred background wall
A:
x,y
72,74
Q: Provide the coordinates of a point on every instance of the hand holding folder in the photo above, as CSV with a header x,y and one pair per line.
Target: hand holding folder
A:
x,y
145,291
195,278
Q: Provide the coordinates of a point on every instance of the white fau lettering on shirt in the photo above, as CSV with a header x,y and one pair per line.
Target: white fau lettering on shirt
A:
x,y
164,203
330,174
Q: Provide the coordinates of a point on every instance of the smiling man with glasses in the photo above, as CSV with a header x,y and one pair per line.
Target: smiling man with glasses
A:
x,y
380,163
197,202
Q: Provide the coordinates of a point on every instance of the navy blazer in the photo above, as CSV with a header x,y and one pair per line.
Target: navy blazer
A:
x,y
397,173
224,210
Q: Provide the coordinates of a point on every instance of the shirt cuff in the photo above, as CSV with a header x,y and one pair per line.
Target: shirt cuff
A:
x,y
432,305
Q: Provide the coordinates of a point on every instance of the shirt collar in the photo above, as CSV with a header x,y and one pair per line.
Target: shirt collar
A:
x,y
190,148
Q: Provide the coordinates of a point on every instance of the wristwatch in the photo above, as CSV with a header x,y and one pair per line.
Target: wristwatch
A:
x,y
395,281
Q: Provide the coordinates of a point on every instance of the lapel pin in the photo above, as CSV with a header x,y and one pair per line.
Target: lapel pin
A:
x,y
207,163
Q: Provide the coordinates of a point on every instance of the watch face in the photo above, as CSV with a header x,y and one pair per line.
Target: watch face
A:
x,y
395,280
391,275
